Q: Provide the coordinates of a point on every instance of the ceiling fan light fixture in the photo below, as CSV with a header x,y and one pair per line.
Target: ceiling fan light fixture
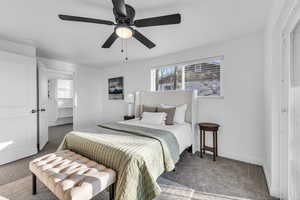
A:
x,y
124,21
124,32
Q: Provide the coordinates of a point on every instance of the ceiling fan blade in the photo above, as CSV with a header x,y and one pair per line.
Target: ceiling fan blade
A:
x,y
112,38
158,21
84,19
140,37
119,6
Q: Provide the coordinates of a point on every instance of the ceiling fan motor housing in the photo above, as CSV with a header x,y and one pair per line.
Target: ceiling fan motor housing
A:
x,y
126,20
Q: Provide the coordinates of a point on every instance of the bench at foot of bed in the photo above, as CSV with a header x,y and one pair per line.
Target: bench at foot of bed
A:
x,y
71,176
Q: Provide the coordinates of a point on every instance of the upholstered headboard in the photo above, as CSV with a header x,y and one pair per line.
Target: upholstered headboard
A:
x,y
166,97
169,98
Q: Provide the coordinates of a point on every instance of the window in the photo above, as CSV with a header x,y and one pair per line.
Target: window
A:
x,y
204,76
168,78
64,89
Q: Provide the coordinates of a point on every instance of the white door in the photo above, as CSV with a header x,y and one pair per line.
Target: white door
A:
x,y
18,137
43,110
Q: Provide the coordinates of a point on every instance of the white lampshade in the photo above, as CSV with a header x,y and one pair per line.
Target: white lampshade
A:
x,y
129,98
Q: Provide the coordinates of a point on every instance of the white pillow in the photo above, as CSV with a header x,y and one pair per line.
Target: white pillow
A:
x,y
180,111
156,118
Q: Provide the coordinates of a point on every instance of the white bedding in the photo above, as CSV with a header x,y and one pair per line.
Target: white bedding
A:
x,y
182,132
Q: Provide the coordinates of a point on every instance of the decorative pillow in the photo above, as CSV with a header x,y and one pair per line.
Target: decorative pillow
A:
x,y
149,109
170,114
179,116
155,118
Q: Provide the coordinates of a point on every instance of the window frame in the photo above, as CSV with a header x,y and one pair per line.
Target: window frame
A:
x,y
182,65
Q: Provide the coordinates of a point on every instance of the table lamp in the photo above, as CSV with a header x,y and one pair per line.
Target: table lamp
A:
x,y
130,100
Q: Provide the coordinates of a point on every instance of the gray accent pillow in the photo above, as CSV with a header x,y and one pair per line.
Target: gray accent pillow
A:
x,y
149,109
170,114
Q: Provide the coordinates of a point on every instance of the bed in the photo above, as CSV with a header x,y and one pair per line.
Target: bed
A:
x,y
182,132
139,152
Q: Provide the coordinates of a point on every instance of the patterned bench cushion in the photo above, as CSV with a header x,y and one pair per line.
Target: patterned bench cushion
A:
x,y
71,176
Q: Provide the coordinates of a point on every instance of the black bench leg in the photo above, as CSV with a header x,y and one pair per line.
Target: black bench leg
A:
x,y
33,184
112,192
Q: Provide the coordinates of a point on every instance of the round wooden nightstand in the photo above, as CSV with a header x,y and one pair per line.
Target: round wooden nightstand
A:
x,y
209,127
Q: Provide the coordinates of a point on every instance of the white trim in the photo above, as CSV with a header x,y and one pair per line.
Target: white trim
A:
x,y
191,62
75,101
278,30
73,74
153,79
195,147
182,78
245,159
250,160
59,71
288,22
210,97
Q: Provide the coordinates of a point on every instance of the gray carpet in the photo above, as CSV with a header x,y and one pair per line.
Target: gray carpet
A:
x,y
194,178
21,189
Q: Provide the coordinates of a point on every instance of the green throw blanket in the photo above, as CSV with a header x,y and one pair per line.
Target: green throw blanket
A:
x,y
138,154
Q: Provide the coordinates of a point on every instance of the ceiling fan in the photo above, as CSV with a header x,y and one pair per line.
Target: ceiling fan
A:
x,y
124,15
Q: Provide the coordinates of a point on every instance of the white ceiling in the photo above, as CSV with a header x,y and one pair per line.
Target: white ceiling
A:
x,y
203,22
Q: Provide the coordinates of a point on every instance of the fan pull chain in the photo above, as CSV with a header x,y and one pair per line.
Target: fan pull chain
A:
x,y
126,51
122,46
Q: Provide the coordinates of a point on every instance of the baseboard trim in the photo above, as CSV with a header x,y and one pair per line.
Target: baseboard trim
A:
x,y
249,160
63,124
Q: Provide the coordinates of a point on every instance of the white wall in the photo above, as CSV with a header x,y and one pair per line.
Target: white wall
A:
x,y
241,112
87,88
88,97
17,48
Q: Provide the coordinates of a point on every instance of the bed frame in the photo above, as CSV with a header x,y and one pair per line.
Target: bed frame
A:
x,y
171,98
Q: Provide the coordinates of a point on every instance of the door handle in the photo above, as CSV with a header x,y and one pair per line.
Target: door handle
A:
x,y
35,111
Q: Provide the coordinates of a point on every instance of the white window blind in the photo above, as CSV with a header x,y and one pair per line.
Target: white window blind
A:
x,y
204,75
64,89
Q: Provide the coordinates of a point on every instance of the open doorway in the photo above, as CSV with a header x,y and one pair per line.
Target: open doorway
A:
x,y
60,101
56,92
